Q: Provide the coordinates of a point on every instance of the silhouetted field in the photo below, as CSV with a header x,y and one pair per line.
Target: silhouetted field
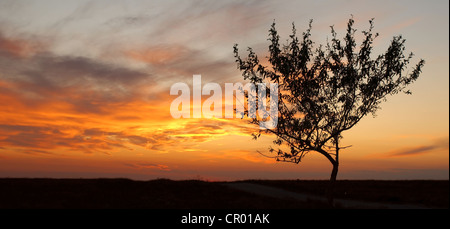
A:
x,y
427,193
193,194
124,193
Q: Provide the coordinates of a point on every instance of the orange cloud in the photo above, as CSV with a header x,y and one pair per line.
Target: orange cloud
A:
x,y
17,47
49,120
148,166
412,151
419,150
158,54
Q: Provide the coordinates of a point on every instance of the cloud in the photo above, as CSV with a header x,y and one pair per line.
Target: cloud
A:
x,y
81,84
192,18
148,166
61,97
419,150
40,139
413,151
191,38
54,124
50,74
51,102
158,55
399,26
72,136
174,63
17,47
36,152
138,140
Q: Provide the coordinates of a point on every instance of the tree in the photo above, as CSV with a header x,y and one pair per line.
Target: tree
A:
x,y
327,90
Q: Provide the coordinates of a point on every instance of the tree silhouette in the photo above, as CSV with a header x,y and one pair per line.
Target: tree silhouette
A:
x,y
327,90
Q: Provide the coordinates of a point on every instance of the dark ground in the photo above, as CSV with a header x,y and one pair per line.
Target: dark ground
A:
x,y
427,193
192,194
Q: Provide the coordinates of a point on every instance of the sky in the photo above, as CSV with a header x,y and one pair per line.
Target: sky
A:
x,y
84,89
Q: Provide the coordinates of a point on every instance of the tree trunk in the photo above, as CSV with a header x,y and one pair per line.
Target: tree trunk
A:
x,y
330,191
334,172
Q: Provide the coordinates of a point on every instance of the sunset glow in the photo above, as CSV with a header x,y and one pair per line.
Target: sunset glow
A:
x,y
84,89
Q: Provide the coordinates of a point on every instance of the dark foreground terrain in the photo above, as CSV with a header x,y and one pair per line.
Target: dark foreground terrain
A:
x,y
192,194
